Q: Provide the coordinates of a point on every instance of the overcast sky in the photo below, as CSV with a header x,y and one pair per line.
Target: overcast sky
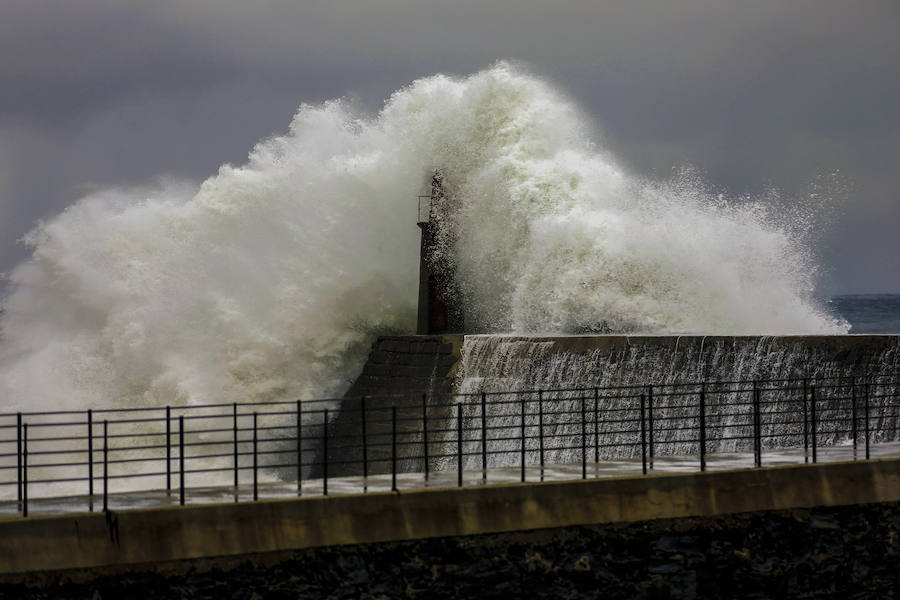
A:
x,y
754,94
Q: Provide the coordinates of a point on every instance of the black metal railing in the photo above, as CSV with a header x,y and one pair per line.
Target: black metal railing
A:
x,y
301,448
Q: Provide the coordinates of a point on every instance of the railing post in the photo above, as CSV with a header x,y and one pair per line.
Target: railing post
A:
x,y
255,473
168,449
523,438
643,438
234,441
25,469
853,413
19,456
812,419
805,423
181,459
393,448
365,437
703,426
650,451
866,416
896,423
541,430
299,449
105,468
483,436
459,444
325,452
583,439
90,424
596,425
425,433
757,427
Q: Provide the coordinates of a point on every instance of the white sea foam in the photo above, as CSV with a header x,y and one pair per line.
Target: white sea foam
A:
x,y
271,279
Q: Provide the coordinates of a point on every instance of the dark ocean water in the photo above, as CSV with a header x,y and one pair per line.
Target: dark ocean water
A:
x,y
869,313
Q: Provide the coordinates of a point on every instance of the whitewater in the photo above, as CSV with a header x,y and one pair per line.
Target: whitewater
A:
x,y
271,279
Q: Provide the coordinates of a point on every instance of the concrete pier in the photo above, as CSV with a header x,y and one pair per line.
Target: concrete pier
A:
x,y
162,535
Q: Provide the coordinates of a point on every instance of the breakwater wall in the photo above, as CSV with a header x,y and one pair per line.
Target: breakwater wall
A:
x,y
442,369
505,363
439,366
409,365
415,373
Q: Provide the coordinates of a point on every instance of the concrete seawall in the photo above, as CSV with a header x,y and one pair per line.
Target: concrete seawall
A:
x,y
536,362
400,371
407,365
412,365
406,371
171,534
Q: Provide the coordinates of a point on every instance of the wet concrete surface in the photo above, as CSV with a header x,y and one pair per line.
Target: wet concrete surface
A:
x,y
444,478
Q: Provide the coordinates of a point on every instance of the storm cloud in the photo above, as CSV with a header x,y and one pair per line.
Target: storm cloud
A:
x,y
755,95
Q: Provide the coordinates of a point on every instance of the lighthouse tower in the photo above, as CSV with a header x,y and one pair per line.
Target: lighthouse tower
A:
x,y
440,310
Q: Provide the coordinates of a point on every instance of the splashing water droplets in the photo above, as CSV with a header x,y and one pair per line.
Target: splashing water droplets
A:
x,y
271,279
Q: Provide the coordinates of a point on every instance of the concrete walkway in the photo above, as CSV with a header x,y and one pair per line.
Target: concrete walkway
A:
x,y
271,488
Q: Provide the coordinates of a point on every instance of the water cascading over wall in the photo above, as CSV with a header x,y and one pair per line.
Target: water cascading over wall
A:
x,y
495,364
501,365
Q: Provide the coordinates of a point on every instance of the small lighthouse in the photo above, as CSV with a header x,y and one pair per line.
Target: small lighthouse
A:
x,y
439,300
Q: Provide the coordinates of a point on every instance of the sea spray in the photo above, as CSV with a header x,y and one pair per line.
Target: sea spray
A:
x,y
270,280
